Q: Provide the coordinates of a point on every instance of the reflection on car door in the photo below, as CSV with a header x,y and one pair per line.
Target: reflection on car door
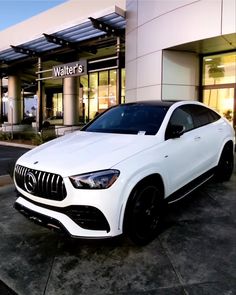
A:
x,y
184,158
183,153
211,129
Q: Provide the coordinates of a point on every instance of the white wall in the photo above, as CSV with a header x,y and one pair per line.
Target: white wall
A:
x,y
195,21
156,25
180,75
228,17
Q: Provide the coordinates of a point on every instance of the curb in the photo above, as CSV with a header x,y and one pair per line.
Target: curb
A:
x,y
14,144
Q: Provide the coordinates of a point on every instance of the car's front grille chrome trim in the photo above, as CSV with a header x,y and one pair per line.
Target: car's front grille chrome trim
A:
x,y
43,184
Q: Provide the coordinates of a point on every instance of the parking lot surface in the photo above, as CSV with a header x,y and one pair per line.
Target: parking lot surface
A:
x,y
194,254
8,156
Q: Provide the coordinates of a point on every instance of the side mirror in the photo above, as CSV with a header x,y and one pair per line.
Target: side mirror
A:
x,y
175,131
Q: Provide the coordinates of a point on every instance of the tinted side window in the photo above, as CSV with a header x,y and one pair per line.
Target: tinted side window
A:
x,y
213,116
201,115
180,117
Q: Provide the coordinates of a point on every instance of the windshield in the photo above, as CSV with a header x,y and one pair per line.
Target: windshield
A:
x,y
129,119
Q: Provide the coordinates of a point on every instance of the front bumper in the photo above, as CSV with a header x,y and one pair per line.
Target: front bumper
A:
x,y
80,212
77,221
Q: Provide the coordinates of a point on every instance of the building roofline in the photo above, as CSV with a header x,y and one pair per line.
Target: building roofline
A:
x,y
55,19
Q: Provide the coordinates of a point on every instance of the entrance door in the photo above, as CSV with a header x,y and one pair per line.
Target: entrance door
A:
x,y
222,99
219,84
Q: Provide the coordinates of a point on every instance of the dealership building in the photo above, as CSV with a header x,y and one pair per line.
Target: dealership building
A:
x,y
81,57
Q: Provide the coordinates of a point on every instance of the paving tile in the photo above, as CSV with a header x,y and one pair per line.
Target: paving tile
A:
x,y
213,288
159,291
101,268
26,261
225,195
202,252
197,206
12,222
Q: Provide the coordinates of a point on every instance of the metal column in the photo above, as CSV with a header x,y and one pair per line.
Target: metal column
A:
x,y
1,103
40,96
118,74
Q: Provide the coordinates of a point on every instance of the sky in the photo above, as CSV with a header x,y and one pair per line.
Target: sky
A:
x,y
15,11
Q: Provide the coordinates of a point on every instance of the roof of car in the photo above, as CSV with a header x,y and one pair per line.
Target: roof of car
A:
x,y
166,103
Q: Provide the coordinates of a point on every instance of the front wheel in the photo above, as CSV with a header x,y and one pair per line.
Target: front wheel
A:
x,y
225,166
143,213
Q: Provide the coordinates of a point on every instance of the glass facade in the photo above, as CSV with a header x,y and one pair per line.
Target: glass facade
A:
x,y
219,84
96,92
57,107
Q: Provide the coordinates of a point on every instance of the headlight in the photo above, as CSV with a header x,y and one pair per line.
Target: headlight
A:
x,y
95,180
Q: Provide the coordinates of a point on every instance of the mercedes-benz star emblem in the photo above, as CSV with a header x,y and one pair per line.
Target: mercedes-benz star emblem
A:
x,y
30,182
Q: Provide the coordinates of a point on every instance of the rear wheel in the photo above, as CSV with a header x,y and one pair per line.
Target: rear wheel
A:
x,y
225,166
143,213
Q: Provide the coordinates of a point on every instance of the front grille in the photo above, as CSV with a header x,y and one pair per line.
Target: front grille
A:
x,y
40,184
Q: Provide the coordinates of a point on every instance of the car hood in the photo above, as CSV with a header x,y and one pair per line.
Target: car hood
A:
x,y
82,152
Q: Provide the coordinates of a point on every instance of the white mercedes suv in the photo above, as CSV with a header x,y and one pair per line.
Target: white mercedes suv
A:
x,y
116,174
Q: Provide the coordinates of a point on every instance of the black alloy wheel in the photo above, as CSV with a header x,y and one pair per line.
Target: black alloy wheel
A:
x,y
225,166
143,213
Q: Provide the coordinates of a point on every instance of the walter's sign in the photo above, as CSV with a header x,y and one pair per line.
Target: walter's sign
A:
x,y
77,68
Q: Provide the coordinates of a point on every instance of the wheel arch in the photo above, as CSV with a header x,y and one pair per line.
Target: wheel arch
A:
x,y
229,145
155,178
225,164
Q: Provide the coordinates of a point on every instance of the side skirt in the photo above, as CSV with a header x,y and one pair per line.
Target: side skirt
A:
x,y
191,186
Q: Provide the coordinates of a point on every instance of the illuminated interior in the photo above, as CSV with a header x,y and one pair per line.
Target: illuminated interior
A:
x,y
98,92
219,84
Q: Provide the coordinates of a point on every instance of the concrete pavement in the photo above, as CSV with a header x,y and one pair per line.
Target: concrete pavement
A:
x,y
9,153
195,253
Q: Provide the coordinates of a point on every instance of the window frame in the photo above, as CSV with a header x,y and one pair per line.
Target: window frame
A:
x,y
190,109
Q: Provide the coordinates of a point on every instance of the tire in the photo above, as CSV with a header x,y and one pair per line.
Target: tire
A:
x,y
225,166
143,214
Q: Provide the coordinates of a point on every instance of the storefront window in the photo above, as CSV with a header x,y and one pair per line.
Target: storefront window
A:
x,y
103,93
57,105
93,95
97,92
219,84
123,85
219,69
112,88
83,99
30,106
222,100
